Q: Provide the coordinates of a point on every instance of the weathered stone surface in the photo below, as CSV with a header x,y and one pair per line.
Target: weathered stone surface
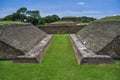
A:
x,y
98,42
61,29
86,56
7,52
35,55
102,37
22,37
112,48
19,39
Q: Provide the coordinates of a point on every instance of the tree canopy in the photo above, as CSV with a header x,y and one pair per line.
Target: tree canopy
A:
x,y
22,10
32,16
83,19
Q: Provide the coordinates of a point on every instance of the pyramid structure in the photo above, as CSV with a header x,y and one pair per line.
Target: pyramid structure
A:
x,y
99,42
22,43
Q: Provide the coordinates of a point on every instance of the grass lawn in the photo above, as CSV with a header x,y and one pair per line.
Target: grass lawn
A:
x,y
111,18
12,22
59,63
68,23
63,23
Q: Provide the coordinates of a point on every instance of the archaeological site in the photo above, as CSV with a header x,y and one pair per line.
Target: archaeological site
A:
x,y
99,42
23,43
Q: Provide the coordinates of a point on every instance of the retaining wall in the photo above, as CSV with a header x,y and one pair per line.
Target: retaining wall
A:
x,y
61,29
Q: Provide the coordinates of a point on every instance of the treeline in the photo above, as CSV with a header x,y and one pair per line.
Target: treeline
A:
x,y
82,19
33,16
25,15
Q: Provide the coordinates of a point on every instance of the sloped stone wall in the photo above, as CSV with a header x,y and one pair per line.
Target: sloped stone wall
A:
x,y
112,49
18,40
8,53
98,34
74,19
102,37
21,37
61,29
86,56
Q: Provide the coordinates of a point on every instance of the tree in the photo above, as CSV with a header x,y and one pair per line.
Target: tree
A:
x,y
41,21
8,18
32,20
1,19
22,10
34,14
51,18
33,17
56,17
18,17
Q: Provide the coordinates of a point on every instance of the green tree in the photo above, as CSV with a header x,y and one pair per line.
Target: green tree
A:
x,y
22,10
32,20
56,17
34,14
8,18
18,17
41,21
51,18
24,15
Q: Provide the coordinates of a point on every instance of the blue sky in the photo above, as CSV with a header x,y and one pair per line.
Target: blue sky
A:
x,y
91,8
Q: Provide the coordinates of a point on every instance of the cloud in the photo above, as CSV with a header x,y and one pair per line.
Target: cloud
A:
x,y
81,3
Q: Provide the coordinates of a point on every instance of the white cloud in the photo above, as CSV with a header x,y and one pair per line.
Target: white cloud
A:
x,y
81,3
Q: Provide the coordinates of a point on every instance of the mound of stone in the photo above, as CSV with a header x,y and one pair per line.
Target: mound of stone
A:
x,y
100,38
19,40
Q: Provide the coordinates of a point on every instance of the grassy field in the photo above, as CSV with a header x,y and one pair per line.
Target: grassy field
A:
x,y
67,23
59,63
111,18
12,22
63,23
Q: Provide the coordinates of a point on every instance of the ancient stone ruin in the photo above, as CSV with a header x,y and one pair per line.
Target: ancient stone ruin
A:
x,y
61,29
22,43
99,42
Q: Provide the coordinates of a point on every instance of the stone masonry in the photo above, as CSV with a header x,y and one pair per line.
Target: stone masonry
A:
x,y
101,38
19,40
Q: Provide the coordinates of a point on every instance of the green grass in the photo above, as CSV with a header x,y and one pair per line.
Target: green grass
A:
x,y
12,22
111,18
67,23
82,23
59,63
63,23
